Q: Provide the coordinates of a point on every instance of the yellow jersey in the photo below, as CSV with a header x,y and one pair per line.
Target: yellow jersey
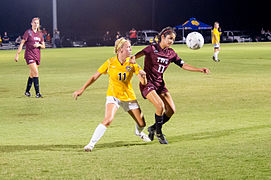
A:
x,y
216,32
120,76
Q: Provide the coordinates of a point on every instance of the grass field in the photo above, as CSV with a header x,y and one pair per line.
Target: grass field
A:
x,y
221,128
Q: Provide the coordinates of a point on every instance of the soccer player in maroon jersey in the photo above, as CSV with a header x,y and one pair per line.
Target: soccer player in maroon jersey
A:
x,y
157,59
33,41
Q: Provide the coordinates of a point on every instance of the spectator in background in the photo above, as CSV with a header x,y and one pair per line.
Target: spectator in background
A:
x,y
262,31
1,41
5,38
44,32
107,38
48,38
118,35
133,36
268,35
220,31
57,38
268,32
18,41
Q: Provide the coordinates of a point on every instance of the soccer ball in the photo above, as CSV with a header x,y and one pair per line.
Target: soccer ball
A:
x,y
194,40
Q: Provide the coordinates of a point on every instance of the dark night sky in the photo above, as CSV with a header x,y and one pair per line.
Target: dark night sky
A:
x,y
89,17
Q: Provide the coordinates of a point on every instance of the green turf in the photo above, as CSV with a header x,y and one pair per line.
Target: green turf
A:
x,y
221,128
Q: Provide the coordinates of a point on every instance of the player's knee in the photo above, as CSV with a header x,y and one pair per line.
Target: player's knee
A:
x,y
35,74
160,108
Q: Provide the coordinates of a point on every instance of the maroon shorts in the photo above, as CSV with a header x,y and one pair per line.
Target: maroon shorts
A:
x,y
30,61
161,88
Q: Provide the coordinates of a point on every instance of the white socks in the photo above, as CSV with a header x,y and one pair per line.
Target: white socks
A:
x,y
100,129
98,133
138,129
216,55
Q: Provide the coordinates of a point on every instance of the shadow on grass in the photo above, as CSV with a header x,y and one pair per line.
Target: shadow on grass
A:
x,y
214,134
4,90
116,144
67,147
60,93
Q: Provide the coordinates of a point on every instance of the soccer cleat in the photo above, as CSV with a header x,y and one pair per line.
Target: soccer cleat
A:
x,y
161,138
216,60
151,133
38,95
27,94
88,148
144,136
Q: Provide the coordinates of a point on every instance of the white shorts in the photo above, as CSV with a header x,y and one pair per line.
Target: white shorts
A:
x,y
216,46
126,105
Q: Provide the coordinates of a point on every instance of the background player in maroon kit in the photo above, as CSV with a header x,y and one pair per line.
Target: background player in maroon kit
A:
x,y
33,41
157,59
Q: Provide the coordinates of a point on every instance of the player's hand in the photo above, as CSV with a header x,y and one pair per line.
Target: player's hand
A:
x,y
132,60
142,73
77,93
205,70
37,45
142,77
16,57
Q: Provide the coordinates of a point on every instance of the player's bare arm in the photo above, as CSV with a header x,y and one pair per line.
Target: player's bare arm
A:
x,y
91,80
133,58
142,77
19,50
191,68
139,54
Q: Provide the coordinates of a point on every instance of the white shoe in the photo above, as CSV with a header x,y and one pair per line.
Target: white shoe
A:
x,y
88,148
143,136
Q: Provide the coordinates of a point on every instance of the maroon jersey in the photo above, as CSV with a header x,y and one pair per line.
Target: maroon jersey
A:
x,y
31,38
156,62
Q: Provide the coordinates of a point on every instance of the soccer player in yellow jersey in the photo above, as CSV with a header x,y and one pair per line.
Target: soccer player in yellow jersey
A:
x,y
216,41
120,91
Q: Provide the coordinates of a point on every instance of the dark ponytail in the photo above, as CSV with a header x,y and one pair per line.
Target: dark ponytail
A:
x,y
166,31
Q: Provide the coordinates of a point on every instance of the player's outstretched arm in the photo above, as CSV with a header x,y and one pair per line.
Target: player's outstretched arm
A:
x,y
91,80
139,54
136,56
19,50
191,68
142,77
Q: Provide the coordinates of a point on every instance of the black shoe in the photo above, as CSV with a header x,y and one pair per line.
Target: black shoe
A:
x,y
39,95
151,132
161,138
215,59
27,94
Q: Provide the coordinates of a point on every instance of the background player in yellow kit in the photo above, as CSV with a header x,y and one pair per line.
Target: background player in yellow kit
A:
x,y
216,41
120,91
